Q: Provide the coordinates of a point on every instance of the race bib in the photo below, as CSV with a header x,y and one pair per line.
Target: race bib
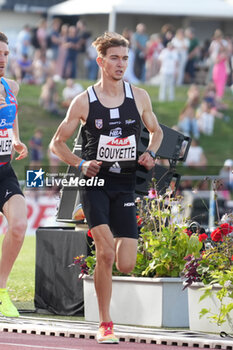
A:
x,y
6,136
114,149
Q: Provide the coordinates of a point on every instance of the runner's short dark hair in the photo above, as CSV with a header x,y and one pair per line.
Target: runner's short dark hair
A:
x,y
3,38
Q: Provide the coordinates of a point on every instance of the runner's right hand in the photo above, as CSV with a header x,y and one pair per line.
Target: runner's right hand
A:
x,y
91,167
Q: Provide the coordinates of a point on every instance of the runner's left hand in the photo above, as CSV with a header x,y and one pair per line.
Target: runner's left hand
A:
x,y
146,160
20,148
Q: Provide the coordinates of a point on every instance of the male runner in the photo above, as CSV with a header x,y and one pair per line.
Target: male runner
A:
x,y
12,203
110,113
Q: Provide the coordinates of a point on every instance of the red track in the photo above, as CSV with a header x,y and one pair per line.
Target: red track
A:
x,y
16,341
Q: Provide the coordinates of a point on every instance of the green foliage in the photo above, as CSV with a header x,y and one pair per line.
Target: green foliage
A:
x,y
216,259
215,266
91,262
225,279
163,243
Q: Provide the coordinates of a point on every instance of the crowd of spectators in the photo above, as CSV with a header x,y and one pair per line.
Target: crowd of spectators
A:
x,y
171,57
62,51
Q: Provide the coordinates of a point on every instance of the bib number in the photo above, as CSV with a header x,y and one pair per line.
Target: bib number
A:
x,y
6,136
115,149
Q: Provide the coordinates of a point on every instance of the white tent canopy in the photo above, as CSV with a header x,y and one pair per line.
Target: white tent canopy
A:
x,y
199,8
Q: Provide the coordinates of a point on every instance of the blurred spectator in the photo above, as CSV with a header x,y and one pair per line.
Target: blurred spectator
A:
x,y
23,70
196,156
139,40
41,67
226,174
23,42
91,64
54,38
204,52
49,96
217,42
83,36
34,40
193,53
210,96
129,73
220,72
72,45
36,148
205,118
42,35
167,38
62,50
167,31
187,120
168,59
229,40
153,48
181,44
70,91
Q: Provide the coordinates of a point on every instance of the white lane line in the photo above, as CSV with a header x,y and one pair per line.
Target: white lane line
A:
x,y
38,346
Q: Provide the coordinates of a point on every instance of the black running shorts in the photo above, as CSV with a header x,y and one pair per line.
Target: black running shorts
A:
x,y
9,185
115,208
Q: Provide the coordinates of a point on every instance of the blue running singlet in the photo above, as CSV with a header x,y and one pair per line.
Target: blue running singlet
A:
x,y
7,119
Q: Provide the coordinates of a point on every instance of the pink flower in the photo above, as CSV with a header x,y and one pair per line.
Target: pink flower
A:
x,y
152,193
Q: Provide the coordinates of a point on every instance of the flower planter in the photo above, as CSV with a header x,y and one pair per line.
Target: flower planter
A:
x,y
203,324
158,302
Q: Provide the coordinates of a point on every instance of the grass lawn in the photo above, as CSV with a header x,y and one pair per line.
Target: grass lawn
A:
x,y
21,283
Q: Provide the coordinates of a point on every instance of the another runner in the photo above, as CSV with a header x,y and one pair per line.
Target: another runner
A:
x,y
12,202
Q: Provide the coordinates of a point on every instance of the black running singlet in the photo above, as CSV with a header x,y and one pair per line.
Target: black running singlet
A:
x,y
111,135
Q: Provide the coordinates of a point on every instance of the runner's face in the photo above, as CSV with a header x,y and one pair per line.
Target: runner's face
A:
x,y
4,52
115,62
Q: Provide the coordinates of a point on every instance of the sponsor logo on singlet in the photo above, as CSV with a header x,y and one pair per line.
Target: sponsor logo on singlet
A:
x,y
99,123
114,149
117,132
3,122
115,123
115,168
130,121
4,132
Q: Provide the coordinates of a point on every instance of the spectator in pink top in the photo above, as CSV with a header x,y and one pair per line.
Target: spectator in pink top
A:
x,y
220,72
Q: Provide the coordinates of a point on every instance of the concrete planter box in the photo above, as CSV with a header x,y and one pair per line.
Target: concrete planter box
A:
x,y
158,302
203,324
